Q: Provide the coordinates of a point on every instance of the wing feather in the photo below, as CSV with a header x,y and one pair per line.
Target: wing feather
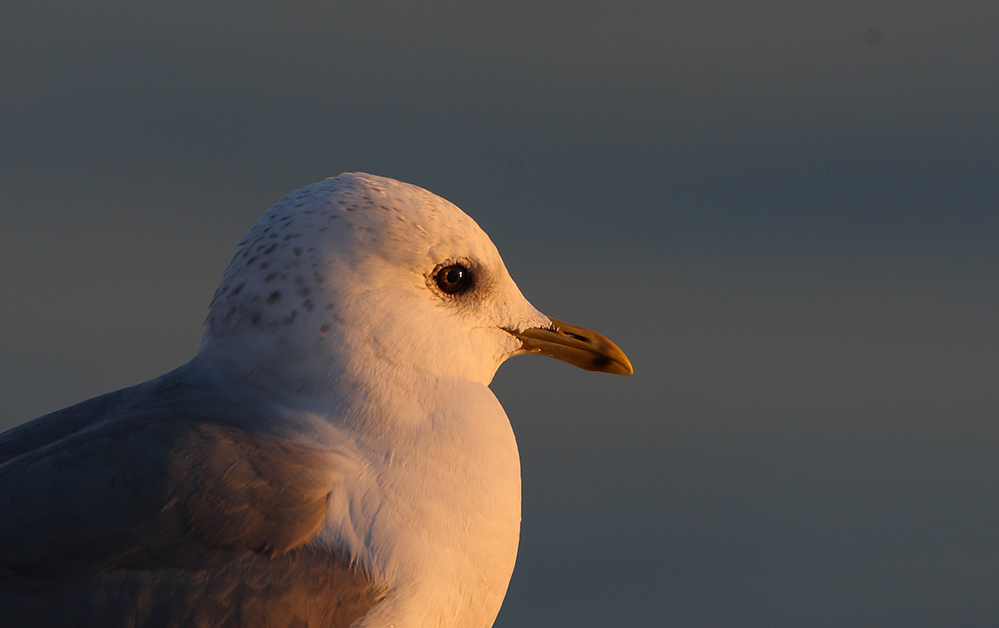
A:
x,y
162,505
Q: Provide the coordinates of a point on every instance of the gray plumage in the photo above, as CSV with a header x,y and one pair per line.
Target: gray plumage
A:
x,y
155,506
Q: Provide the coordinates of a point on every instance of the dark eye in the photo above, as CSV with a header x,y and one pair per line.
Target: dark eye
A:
x,y
454,279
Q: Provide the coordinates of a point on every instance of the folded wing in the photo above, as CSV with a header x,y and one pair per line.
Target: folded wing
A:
x,y
154,512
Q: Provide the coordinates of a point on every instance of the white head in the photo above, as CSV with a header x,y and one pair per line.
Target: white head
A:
x,y
360,273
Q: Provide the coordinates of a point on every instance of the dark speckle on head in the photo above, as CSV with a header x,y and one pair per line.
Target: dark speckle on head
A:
x,y
287,268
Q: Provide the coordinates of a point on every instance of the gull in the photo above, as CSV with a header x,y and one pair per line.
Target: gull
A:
x,y
332,456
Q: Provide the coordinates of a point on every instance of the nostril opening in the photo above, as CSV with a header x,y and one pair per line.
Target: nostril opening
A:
x,y
577,337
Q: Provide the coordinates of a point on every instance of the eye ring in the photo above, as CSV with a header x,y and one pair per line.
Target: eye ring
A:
x,y
453,279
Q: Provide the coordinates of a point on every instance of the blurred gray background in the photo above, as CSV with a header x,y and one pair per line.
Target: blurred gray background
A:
x,y
786,213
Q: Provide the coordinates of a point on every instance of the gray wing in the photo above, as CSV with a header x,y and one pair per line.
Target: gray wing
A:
x,y
151,507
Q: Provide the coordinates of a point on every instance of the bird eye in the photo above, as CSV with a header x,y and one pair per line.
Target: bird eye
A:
x,y
454,279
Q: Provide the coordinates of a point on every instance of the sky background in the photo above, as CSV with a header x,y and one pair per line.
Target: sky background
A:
x,y
785,213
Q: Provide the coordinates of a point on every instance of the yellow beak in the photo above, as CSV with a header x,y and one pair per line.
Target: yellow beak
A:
x,y
577,346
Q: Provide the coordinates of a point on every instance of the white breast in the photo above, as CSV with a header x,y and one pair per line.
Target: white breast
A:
x,y
433,510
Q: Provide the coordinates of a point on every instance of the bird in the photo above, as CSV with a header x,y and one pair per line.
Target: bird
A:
x,y
332,456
